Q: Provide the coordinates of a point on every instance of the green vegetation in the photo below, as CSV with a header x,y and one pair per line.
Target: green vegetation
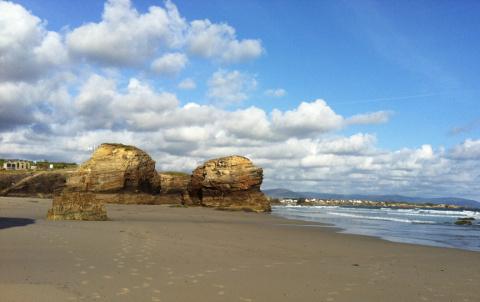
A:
x,y
174,173
126,147
43,165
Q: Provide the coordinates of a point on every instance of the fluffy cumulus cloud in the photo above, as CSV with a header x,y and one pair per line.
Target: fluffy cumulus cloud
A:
x,y
170,63
311,156
229,87
27,49
56,104
126,37
307,118
218,41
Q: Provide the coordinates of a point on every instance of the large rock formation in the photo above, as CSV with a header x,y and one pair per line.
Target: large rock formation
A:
x,y
231,182
124,174
115,173
116,168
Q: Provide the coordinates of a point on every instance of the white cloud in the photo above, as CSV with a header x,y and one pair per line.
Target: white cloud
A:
x,y
277,93
27,49
309,118
303,159
469,149
218,41
230,87
46,102
378,117
136,37
170,63
126,37
101,106
187,84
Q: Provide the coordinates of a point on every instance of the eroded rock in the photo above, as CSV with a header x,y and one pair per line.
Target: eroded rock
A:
x,y
231,183
115,168
77,206
114,174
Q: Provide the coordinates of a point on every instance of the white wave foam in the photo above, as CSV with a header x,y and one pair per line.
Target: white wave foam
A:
x,y
434,213
382,218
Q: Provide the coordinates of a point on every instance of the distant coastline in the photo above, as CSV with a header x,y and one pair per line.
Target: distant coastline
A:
x,y
374,200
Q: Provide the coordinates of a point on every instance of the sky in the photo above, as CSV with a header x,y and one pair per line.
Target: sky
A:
x,y
373,97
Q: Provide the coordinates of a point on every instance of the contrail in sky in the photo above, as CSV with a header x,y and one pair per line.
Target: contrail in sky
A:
x,y
405,97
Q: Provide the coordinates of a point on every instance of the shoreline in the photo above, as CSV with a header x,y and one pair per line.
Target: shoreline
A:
x,y
162,253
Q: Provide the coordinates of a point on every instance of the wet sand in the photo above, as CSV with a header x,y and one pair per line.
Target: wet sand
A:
x,y
159,253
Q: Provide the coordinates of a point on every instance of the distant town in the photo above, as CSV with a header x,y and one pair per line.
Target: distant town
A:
x,y
25,165
358,203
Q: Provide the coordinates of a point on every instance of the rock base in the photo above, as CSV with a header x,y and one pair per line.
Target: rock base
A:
x,y
249,201
77,206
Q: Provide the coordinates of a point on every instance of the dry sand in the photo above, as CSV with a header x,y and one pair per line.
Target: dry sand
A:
x,y
159,253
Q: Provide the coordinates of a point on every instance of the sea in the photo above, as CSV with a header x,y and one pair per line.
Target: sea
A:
x,y
418,226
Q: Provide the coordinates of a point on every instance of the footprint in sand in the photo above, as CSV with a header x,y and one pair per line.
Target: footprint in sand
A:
x,y
156,299
218,285
123,291
245,299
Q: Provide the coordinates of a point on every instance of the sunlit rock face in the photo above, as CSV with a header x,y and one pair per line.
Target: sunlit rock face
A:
x,y
114,174
125,174
231,183
116,168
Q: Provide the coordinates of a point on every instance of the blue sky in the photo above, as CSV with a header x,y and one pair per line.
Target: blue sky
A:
x,y
417,59
410,69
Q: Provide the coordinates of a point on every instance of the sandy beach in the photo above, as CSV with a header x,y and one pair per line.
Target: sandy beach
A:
x,y
162,253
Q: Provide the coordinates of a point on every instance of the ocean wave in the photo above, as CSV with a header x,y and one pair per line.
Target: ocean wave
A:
x,y
382,218
436,213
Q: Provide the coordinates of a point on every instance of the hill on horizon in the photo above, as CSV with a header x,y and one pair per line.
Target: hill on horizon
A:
x,y
286,193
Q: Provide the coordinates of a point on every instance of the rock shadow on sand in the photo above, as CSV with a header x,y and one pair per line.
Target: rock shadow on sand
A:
x,y
11,222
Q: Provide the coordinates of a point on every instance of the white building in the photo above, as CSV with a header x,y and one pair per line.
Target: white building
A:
x,y
16,165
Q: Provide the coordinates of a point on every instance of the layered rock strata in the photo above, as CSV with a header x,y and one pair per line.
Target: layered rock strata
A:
x,y
231,183
77,206
114,174
124,174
